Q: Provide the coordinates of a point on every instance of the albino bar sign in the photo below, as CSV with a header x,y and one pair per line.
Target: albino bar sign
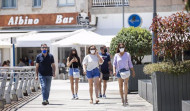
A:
x,y
38,19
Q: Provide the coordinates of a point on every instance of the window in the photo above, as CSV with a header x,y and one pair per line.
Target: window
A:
x,y
9,3
66,2
37,3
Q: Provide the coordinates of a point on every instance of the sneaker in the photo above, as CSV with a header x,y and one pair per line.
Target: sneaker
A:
x,y
100,95
47,101
44,102
73,96
76,96
104,96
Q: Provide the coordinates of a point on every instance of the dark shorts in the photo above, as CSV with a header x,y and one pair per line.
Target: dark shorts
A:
x,y
105,76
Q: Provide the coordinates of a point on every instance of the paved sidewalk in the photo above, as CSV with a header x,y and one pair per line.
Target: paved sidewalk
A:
x,y
60,99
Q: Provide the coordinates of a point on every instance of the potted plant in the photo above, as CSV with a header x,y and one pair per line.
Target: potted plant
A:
x,y
170,78
138,43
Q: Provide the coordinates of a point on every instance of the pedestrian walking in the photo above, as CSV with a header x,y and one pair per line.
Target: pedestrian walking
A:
x,y
73,62
121,66
90,66
45,69
104,71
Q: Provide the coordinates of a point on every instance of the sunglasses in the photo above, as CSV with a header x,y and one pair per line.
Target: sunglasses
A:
x,y
44,47
121,47
92,49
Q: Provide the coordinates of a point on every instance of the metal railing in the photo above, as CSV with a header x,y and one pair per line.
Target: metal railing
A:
x,y
15,83
109,3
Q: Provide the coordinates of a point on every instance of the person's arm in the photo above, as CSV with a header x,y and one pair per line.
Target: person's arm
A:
x,y
37,66
110,66
131,66
53,67
109,63
69,62
114,65
99,58
85,62
84,68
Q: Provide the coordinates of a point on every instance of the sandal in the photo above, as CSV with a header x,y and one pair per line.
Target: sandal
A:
x,y
126,102
91,101
97,101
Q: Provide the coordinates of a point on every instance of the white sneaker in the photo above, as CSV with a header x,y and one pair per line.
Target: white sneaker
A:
x,y
73,96
76,96
104,96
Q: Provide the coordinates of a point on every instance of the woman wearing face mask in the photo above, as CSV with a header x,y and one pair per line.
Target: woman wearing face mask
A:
x,y
122,62
90,66
73,62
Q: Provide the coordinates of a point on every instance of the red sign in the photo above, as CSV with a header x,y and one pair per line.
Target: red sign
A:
x,y
38,19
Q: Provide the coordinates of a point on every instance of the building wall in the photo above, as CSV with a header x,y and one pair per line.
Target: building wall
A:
x,y
114,21
141,6
48,6
5,54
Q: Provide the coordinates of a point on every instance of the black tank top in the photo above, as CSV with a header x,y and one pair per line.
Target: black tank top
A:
x,y
75,64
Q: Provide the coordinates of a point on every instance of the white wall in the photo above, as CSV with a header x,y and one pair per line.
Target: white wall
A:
x,y
5,54
114,21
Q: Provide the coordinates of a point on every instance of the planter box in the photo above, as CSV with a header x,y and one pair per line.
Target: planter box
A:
x,y
149,92
145,89
133,82
140,88
169,90
186,105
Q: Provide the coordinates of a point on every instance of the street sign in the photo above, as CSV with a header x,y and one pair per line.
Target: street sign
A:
x,y
134,20
13,40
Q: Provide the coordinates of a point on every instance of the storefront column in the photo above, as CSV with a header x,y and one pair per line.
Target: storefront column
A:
x,y
54,52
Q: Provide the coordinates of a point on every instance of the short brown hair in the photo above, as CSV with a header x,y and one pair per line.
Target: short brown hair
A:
x,y
90,47
43,44
117,50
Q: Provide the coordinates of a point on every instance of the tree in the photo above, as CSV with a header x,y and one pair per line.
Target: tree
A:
x,y
173,36
137,42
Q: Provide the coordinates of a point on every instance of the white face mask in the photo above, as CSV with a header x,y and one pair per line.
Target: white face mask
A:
x,y
121,49
92,51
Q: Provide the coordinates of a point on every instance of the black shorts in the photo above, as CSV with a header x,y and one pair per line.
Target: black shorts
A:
x,y
105,76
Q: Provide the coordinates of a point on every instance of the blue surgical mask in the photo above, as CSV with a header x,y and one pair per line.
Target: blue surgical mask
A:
x,y
44,51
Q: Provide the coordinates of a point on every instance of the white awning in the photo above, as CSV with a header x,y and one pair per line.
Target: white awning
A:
x,y
107,32
36,39
5,44
83,37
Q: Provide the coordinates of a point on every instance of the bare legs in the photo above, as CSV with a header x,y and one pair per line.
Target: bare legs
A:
x,y
120,81
72,84
96,84
105,86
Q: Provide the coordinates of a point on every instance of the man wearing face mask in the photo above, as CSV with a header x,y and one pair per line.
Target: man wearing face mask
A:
x,y
45,69
104,69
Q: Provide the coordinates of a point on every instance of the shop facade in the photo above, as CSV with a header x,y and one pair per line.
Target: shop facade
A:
x,y
53,20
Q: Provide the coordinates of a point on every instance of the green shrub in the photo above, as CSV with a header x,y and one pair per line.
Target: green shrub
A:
x,y
168,67
137,42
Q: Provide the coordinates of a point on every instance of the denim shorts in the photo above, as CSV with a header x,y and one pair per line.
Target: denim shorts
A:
x,y
93,73
73,69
